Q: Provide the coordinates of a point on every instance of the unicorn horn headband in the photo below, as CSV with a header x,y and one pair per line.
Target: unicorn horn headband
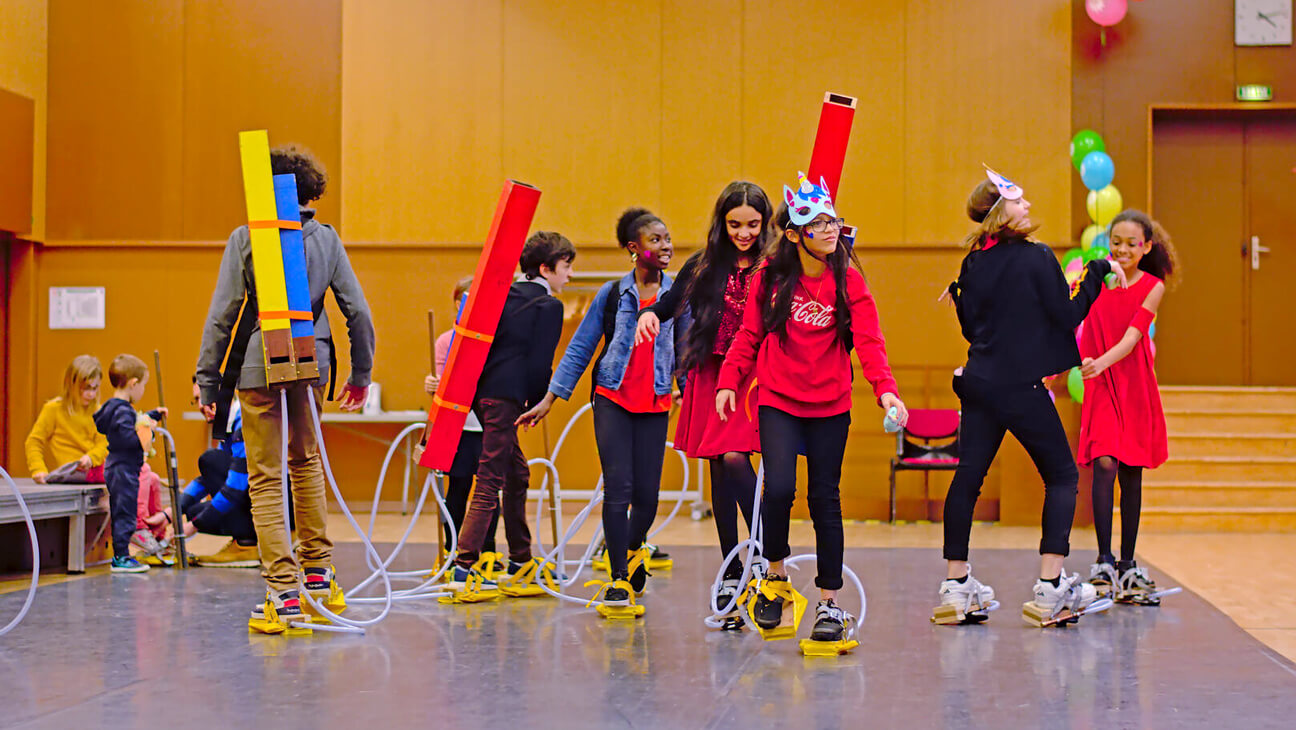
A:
x,y
1008,189
808,200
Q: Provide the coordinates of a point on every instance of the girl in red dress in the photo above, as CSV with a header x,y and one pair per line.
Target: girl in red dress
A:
x,y
713,285
1122,427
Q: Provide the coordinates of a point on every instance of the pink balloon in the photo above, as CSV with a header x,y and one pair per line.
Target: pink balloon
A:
x,y
1074,266
1078,332
1106,12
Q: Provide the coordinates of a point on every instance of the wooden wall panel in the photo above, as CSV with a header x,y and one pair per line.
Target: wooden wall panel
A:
x,y
704,111
421,119
17,143
115,119
1160,53
860,51
24,70
257,65
969,101
583,117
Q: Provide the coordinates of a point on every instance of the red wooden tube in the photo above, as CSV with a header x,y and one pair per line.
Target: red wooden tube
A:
x,y
829,155
476,328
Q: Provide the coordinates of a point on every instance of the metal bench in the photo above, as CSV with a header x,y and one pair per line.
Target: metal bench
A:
x,y
57,501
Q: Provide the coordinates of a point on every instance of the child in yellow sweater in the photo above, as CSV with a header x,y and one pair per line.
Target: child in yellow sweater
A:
x,y
65,429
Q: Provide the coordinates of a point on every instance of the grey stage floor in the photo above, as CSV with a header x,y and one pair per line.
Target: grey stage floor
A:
x,y
171,649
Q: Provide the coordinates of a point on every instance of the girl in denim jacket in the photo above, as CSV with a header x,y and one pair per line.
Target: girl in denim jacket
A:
x,y
632,395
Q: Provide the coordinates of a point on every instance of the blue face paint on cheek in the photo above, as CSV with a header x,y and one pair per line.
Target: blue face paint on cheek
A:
x,y
809,234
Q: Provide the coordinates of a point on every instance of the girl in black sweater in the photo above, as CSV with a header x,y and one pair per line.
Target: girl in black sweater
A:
x,y
1018,314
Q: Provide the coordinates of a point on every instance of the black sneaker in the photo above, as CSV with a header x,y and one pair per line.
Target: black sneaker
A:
x,y
616,596
639,578
830,622
769,611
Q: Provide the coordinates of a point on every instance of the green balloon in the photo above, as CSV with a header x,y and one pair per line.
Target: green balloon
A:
x,y
1067,257
1084,142
1096,253
1075,385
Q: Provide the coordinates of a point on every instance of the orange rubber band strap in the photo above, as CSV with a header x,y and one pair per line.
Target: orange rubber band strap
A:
x,y
436,400
303,316
479,336
290,225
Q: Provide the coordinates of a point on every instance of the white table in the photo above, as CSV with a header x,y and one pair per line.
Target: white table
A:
x,y
351,422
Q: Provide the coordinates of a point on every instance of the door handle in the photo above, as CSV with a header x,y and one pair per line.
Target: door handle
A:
x,y
1256,250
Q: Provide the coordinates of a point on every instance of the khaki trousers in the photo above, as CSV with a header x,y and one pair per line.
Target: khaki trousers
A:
x,y
262,420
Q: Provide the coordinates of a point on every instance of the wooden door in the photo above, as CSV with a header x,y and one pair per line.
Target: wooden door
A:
x,y
1271,246
1197,172
1220,177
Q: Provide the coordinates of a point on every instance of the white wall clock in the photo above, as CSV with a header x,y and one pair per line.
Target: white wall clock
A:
x,y
1262,22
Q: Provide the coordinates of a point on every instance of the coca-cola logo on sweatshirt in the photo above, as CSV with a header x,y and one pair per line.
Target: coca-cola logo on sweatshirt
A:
x,y
810,312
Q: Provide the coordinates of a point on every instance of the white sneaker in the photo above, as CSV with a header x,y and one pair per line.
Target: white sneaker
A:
x,y
970,595
1070,594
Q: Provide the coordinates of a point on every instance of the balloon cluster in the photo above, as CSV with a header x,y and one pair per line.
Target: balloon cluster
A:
x,y
1089,156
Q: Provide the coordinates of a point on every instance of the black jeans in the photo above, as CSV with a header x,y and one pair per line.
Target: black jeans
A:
x,y
823,440
989,411
459,481
631,448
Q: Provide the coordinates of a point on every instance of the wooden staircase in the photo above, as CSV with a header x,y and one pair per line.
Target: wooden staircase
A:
x,y
1232,461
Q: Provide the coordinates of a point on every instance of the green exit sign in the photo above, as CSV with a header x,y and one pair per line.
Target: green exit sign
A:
x,y
1254,92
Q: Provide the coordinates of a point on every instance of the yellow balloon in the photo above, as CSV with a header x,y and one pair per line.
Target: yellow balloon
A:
x,y
1087,238
1103,205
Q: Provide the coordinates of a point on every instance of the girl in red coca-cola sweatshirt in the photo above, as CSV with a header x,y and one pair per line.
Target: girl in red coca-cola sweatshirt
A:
x,y
809,305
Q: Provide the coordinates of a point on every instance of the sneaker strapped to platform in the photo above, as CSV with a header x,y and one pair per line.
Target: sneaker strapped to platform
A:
x,y
1064,603
1136,586
830,622
1102,576
277,614
768,613
966,601
127,565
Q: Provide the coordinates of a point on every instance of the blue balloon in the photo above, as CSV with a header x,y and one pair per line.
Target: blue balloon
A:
x,y
1102,240
1097,170
1152,331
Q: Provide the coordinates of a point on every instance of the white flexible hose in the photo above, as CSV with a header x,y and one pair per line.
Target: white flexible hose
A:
x,y
35,546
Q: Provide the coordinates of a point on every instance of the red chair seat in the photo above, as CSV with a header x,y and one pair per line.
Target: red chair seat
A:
x,y
930,462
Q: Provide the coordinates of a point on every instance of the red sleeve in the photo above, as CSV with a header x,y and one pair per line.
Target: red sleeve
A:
x,y
1142,320
866,330
741,357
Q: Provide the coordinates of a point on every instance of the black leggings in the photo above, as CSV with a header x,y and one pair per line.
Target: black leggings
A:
x,y
823,440
631,448
1105,470
733,490
1025,410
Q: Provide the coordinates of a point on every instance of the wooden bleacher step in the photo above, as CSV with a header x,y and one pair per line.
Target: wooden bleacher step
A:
x,y
1232,461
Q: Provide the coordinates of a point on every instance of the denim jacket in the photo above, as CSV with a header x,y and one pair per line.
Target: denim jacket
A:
x,y
584,344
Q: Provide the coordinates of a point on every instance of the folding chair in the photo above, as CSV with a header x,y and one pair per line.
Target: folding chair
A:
x,y
926,425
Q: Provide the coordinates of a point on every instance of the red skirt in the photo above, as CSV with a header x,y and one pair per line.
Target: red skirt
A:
x,y
700,433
